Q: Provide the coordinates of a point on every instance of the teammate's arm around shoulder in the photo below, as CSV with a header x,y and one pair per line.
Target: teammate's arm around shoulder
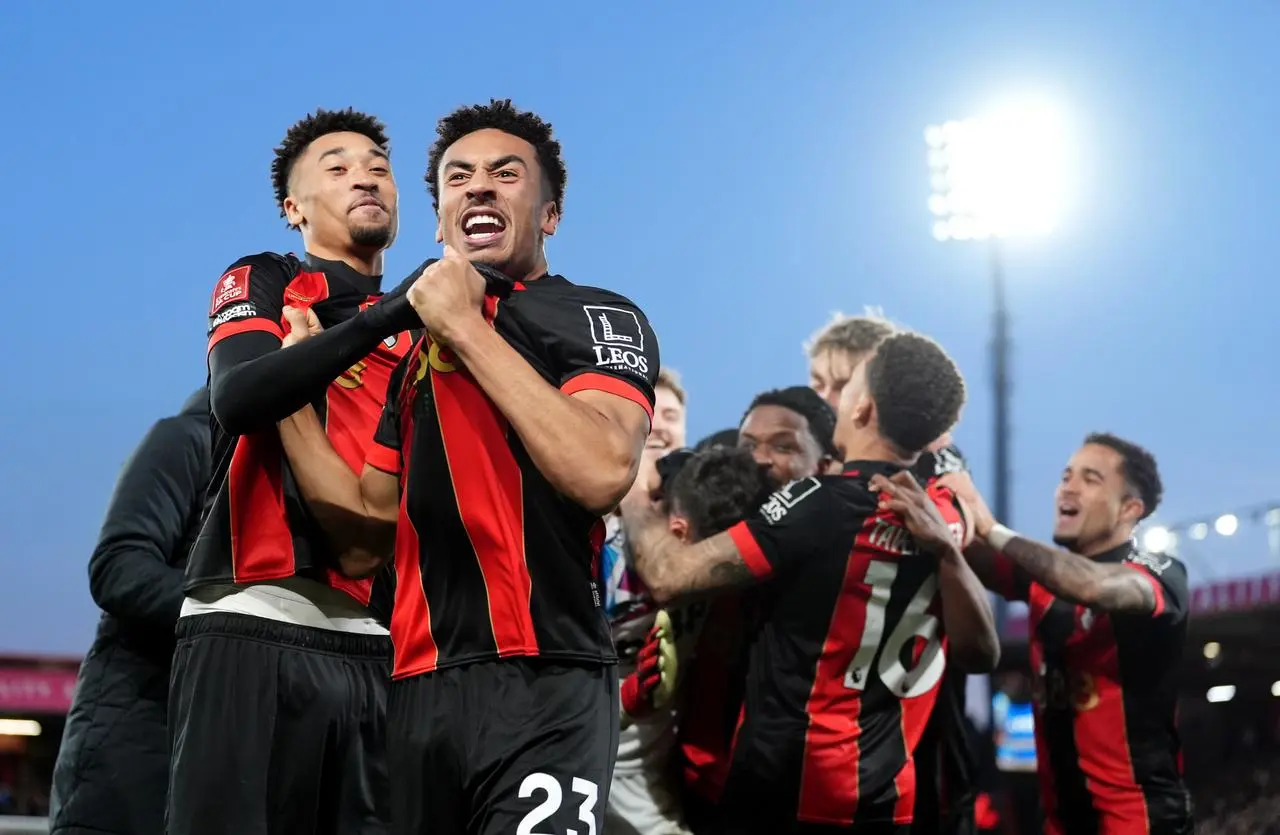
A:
x,y
1106,587
357,512
586,431
253,384
967,618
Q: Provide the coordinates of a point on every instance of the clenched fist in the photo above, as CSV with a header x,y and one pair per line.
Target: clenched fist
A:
x,y
448,296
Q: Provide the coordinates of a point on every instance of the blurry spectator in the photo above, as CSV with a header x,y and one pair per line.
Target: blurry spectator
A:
x,y
112,769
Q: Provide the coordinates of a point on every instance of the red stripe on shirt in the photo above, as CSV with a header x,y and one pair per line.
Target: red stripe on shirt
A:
x,y
261,542
1156,588
415,646
257,323
489,489
591,381
750,551
832,745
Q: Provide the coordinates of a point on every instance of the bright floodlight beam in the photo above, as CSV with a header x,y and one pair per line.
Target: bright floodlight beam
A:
x,y
1157,540
998,175
1226,524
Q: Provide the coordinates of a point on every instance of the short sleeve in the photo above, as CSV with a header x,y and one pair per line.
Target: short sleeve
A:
x,y
948,504
384,452
600,341
1168,578
248,297
786,529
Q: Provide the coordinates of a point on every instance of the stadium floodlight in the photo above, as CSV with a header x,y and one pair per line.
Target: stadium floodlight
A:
x,y
20,727
1157,540
1000,175
1275,689
1198,531
1226,524
1221,693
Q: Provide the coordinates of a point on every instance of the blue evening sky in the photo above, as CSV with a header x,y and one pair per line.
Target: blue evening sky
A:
x,y
741,170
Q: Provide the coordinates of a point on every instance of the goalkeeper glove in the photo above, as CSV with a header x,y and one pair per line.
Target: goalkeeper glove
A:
x,y
652,686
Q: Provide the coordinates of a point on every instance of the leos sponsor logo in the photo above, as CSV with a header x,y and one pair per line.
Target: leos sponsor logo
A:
x,y
239,311
618,339
232,287
781,502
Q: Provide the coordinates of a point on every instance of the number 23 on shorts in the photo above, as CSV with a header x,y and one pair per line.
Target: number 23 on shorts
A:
x,y
542,783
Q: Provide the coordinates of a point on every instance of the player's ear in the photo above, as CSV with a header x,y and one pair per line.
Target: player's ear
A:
x,y
550,218
293,211
864,412
1131,510
679,527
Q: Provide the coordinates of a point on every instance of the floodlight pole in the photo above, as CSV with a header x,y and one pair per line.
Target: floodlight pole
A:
x,y
1000,378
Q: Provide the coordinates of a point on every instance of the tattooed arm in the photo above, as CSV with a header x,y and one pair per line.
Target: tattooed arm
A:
x,y
1106,587
670,568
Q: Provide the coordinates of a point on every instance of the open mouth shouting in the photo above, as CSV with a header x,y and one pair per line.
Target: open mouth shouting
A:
x,y
483,227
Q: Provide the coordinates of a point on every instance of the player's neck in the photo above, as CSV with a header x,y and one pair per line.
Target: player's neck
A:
x,y
363,262
1112,542
538,269
864,447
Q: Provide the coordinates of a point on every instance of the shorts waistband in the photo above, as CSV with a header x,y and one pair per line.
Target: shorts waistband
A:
x,y
307,638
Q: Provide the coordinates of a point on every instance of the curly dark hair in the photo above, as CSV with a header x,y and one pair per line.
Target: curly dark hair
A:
x,y
807,403
1138,466
917,389
308,130
717,488
499,114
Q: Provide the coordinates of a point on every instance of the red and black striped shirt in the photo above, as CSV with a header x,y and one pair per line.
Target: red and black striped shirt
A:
x,y
493,562
847,664
1105,695
256,525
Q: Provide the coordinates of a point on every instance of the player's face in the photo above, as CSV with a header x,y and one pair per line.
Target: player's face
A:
x,y
342,194
1093,503
668,430
829,371
853,407
781,443
494,205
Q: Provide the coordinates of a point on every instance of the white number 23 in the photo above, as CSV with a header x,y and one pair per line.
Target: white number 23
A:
x,y
550,786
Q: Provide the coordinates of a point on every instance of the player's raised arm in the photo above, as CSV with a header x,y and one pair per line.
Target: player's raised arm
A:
x,y
1104,586
253,384
585,436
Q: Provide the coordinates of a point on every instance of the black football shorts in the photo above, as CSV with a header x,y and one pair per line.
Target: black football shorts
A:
x,y
517,745
277,728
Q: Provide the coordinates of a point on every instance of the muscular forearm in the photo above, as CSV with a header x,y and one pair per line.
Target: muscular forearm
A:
x,y
967,616
249,393
671,569
363,535
572,444
1079,579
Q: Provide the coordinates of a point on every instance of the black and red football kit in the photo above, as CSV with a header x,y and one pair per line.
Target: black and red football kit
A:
x,y
948,758
1104,696
504,706
277,726
846,666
